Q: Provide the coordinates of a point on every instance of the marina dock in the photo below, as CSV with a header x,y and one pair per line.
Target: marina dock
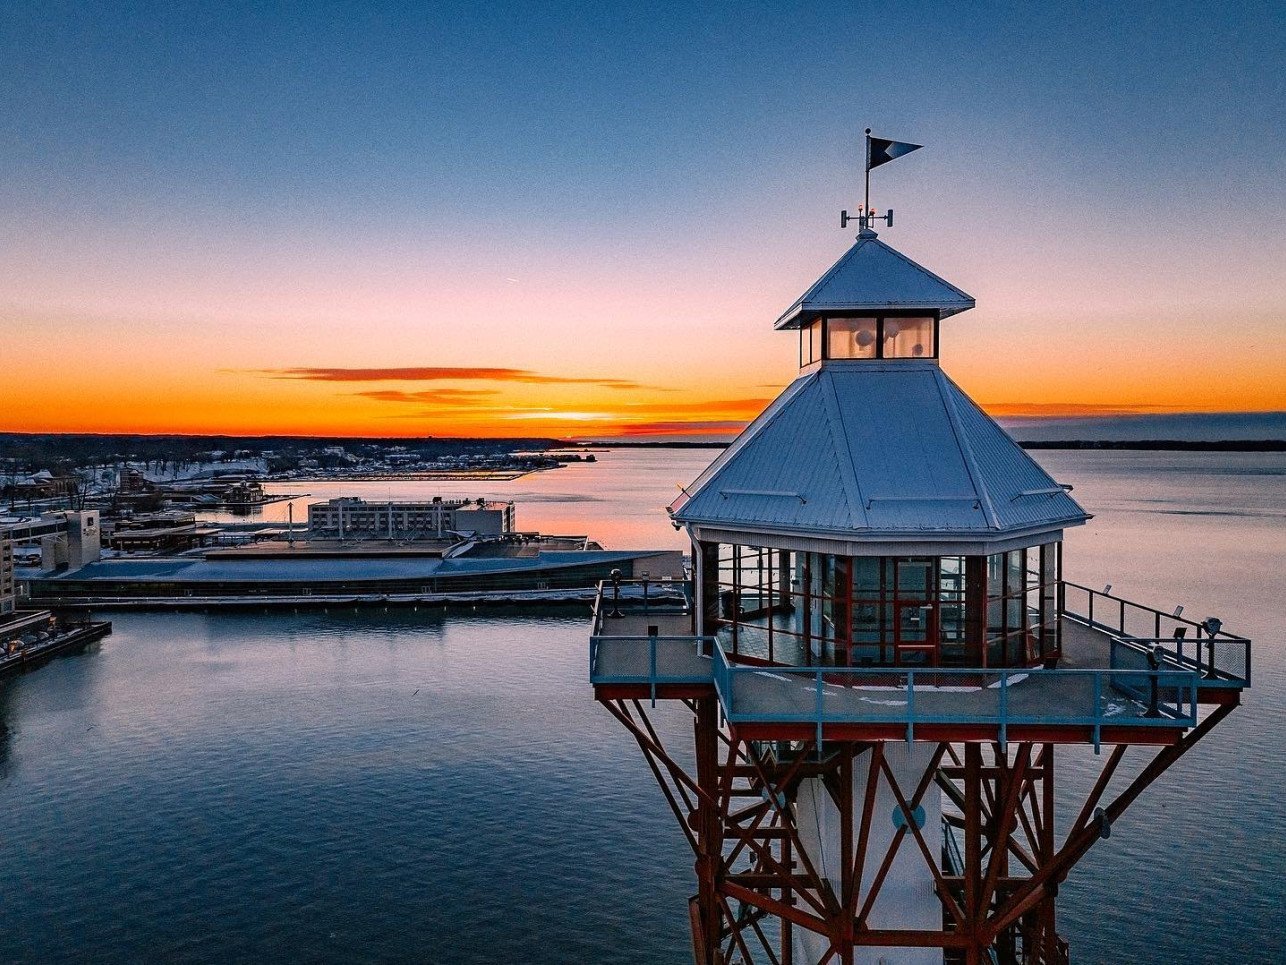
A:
x,y
70,636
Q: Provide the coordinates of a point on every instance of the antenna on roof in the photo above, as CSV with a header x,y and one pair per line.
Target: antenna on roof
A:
x,y
878,151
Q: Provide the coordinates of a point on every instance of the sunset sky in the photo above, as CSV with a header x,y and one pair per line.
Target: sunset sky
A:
x,y
535,219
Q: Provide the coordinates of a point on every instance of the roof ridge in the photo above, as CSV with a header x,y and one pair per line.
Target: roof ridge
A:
x,y
915,264
966,450
849,254
771,414
1018,445
849,485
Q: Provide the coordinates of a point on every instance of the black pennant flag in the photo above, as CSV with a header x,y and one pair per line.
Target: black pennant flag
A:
x,y
882,151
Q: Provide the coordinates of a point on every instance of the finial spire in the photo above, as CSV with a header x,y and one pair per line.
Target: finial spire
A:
x,y
878,151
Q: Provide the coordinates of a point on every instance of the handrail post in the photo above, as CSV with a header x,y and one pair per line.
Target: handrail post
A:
x,y
652,664
1092,594
1098,709
1004,710
910,706
819,713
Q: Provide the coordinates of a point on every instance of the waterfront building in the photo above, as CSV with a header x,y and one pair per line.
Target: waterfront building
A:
x,y
26,634
167,531
883,660
8,585
42,486
352,518
67,539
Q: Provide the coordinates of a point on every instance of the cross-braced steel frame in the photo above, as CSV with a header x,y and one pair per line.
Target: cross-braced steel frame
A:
x,y
757,884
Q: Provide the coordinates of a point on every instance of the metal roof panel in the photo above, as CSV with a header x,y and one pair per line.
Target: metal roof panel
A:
x,y
871,276
866,447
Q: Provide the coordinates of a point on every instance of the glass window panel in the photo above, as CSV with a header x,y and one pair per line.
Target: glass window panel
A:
x,y
866,623
913,578
810,344
851,338
866,575
908,338
996,575
1017,577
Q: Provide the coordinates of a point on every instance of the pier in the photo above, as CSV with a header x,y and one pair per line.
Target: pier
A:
x,y
14,655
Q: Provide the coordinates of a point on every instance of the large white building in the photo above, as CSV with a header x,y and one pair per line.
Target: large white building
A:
x,y
8,587
352,518
68,539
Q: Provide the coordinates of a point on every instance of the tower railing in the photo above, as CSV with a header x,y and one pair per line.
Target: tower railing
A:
x,y
820,696
1220,656
642,638
633,598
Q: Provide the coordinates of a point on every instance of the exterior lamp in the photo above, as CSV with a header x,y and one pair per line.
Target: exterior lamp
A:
x,y
616,595
1212,626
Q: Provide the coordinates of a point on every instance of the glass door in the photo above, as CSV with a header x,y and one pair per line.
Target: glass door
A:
x,y
915,613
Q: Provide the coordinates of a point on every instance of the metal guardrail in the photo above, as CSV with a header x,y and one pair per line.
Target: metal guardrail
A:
x,y
689,646
1227,654
644,596
1167,691
1218,663
658,648
1175,691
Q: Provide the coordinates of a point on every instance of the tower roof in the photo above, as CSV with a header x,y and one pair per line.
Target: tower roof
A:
x,y
871,451
871,277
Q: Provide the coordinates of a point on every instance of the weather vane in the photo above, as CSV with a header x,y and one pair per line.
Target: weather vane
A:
x,y
878,151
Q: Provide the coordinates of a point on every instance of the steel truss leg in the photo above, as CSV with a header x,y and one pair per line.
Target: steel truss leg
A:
x,y
758,886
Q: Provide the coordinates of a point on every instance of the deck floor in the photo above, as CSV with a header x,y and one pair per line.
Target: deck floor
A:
x,y
635,623
1083,648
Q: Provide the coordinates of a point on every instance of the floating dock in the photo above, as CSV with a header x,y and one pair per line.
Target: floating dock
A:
x,y
68,637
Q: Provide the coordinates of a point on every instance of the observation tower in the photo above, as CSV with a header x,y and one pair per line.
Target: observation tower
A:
x,y
884,664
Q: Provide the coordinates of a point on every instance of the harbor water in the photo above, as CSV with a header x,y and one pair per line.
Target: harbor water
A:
x,y
439,786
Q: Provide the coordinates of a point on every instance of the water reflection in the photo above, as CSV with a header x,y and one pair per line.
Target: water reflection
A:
x,y
439,786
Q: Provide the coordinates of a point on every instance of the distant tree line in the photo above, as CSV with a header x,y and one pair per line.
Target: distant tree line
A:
x,y
24,453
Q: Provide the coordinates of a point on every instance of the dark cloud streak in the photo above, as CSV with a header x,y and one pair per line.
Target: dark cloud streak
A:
x,y
441,374
460,397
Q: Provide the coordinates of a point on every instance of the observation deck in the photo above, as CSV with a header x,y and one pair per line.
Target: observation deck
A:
x,y
1126,676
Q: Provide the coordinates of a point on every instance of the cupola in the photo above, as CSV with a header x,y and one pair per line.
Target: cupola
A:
x,y
874,303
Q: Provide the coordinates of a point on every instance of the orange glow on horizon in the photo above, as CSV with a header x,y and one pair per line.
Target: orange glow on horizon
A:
x,y
573,409
619,353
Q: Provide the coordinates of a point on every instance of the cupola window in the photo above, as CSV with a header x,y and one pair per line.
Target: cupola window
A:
x,y
852,338
908,338
869,337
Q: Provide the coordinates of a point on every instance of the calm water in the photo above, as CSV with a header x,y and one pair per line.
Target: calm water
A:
x,y
423,786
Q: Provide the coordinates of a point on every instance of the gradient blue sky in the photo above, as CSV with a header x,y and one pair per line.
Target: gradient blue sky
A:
x,y
197,193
